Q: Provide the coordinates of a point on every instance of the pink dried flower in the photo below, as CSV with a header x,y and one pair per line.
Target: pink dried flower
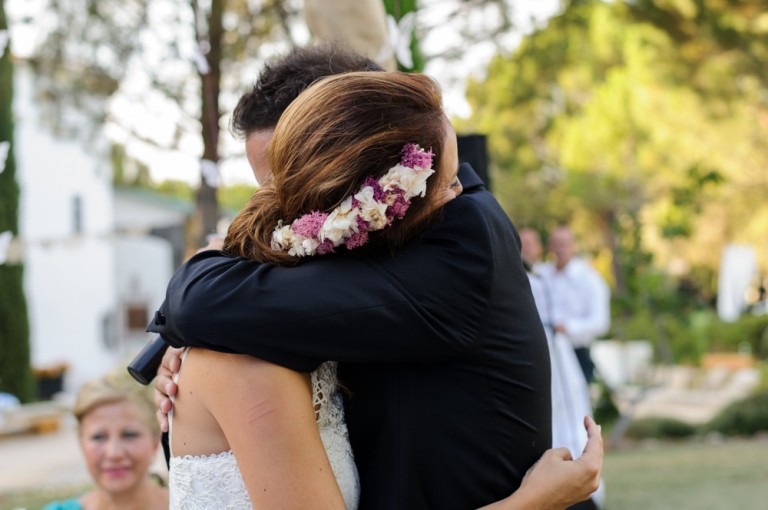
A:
x,y
399,207
325,247
362,225
378,193
414,156
356,240
310,224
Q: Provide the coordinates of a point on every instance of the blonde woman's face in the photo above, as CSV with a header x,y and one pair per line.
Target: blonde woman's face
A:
x,y
118,446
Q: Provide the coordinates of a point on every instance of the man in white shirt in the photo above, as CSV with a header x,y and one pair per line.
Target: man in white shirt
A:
x,y
570,393
580,298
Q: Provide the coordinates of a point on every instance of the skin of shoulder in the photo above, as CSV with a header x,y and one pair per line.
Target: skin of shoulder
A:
x,y
264,414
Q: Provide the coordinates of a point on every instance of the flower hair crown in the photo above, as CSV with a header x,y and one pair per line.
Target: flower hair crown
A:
x,y
375,206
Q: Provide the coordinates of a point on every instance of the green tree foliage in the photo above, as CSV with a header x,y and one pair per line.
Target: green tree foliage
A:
x,y
15,370
128,171
236,196
640,123
177,63
721,49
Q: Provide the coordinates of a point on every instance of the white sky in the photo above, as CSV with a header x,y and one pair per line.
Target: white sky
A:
x,y
185,166
528,15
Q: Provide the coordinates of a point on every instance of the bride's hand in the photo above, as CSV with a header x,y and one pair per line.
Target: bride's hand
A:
x,y
165,388
556,481
563,480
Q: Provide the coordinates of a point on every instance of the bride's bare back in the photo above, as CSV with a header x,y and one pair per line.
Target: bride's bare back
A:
x,y
264,414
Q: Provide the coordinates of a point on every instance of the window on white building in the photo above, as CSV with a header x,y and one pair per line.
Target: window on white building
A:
x,y
136,317
77,214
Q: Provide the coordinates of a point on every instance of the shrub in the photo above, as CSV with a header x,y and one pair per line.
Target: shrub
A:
x,y
606,411
684,338
743,418
659,428
750,331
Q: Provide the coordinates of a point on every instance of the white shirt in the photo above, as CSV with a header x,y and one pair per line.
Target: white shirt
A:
x,y
580,300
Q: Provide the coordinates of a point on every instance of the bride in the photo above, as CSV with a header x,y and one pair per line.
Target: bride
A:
x,y
247,433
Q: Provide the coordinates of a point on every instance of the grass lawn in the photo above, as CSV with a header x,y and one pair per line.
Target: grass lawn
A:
x,y
655,476
687,476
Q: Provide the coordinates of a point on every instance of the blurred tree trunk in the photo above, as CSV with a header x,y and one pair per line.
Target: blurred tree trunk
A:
x,y
15,370
209,35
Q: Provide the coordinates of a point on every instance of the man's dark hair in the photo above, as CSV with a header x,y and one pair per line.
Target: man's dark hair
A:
x,y
282,80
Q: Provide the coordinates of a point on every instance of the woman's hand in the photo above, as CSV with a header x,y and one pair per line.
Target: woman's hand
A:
x,y
557,481
564,481
165,388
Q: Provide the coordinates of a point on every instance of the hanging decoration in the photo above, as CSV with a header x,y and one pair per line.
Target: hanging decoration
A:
x,y
4,39
401,38
5,244
210,172
5,147
201,62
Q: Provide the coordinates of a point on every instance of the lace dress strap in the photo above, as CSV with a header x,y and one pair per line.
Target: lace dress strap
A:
x,y
173,400
329,412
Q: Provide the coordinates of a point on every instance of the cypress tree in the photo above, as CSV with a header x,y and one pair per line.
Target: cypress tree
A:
x,y
15,371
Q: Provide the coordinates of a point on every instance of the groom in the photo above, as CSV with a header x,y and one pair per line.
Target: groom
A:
x,y
440,347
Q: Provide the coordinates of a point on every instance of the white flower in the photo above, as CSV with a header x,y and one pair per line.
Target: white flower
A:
x,y
372,211
412,181
338,225
375,217
346,206
282,237
303,247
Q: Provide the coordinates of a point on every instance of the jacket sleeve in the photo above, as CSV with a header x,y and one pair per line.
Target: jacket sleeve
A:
x,y
425,304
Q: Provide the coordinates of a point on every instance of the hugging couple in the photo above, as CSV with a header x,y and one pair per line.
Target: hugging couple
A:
x,y
366,336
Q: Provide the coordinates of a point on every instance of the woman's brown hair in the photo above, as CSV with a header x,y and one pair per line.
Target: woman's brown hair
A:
x,y
337,133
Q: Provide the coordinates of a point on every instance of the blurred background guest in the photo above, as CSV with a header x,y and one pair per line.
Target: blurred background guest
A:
x,y
119,437
581,300
570,393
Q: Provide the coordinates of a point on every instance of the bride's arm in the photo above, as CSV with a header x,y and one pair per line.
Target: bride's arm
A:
x,y
266,414
557,481
265,411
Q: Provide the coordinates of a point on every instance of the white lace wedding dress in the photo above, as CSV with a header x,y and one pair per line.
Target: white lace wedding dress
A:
x,y
210,482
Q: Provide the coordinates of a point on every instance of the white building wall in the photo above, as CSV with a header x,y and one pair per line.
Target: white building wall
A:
x,y
70,296
69,277
145,266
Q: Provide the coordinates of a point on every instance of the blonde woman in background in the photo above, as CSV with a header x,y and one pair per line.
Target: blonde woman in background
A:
x,y
119,437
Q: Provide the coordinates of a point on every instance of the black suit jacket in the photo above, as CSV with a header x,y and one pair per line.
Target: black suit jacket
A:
x,y
441,349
